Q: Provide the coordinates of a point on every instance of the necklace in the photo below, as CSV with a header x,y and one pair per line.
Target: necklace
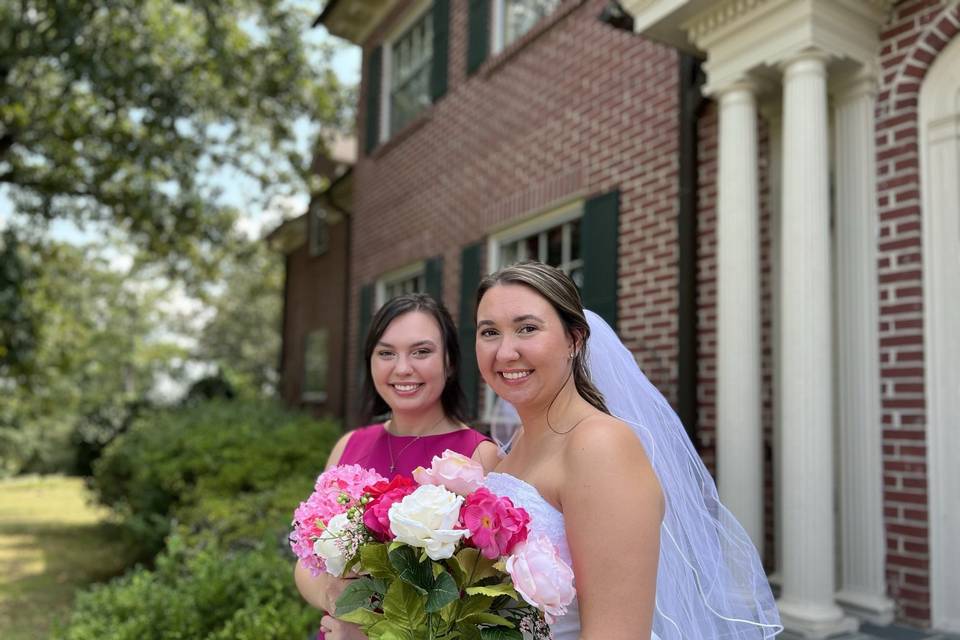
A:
x,y
393,464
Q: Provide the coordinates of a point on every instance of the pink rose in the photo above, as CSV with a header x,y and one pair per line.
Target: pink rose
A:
x,y
454,471
384,494
542,577
495,525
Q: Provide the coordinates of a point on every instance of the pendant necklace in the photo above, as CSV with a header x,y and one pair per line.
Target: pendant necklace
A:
x,y
393,464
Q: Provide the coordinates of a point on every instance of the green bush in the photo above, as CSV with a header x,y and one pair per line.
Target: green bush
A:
x,y
201,594
227,471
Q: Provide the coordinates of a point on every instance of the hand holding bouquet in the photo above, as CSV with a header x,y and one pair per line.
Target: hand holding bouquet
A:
x,y
439,558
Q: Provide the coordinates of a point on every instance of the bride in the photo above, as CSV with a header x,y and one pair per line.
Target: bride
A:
x,y
607,472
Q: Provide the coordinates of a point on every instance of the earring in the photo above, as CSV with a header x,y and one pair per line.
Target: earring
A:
x,y
572,355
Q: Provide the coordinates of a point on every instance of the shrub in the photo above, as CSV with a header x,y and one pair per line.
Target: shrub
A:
x,y
230,471
203,594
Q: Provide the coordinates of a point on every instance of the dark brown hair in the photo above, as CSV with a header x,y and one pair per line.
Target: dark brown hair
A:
x,y
452,398
558,289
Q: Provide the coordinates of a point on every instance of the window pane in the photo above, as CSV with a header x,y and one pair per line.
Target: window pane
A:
x,y
555,246
574,239
532,247
315,363
508,254
577,276
519,16
410,72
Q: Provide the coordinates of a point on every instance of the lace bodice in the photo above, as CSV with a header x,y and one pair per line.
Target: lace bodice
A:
x,y
545,519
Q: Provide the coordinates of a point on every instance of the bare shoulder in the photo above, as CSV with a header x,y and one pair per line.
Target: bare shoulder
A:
x,y
337,451
488,454
603,439
603,456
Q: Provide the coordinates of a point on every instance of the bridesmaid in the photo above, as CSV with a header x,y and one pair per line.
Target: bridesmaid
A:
x,y
412,358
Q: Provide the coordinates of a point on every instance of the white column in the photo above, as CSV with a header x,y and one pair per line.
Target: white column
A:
x,y
863,587
739,436
807,604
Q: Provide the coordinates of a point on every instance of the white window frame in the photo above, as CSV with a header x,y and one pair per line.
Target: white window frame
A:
x,y
413,270
416,12
499,31
308,395
540,222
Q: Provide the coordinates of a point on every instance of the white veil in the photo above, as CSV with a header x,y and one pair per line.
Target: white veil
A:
x,y
710,582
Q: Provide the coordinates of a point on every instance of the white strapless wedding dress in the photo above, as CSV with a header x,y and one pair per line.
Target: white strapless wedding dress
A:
x,y
546,520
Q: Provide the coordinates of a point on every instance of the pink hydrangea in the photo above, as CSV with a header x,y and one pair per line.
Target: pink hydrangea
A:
x,y
495,525
311,517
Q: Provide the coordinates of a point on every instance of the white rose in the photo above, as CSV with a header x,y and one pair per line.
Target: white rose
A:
x,y
426,518
327,548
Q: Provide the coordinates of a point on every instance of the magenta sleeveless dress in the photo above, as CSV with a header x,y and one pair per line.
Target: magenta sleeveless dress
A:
x,y
371,447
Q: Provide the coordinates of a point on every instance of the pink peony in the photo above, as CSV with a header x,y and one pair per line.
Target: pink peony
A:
x,y
383,495
335,491
495,525
542,577
454,471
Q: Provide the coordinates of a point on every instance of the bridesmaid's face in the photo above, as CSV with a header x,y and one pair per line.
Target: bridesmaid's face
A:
x,y
522,346
408,363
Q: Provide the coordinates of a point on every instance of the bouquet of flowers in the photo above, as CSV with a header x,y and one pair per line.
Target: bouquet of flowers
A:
x,y
437,557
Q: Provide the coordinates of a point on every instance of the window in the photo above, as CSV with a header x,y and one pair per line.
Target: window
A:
x,y
319,234
513,18
553,238
408,62
315,359
409,279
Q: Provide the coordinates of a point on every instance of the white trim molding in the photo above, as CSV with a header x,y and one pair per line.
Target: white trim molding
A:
x,y
940,166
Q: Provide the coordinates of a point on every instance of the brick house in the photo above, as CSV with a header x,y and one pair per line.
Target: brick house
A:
x,y
739,186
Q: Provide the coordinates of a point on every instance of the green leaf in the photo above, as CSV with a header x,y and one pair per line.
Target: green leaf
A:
x,y
357,595
444,592
485,617
469,632
360,616
474,565
374,560
411,570
502,589
473,604
388,630
404,606
498,633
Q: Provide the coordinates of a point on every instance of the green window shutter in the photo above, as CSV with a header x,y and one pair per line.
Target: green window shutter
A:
x,y
433,277
441,44
598,238
363,324
374,79
478,37
469,279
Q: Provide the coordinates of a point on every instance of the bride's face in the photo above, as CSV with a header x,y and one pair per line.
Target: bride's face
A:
x,y
523,349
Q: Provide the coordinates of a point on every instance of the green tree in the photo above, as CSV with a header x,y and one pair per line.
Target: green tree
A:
x,y
122,113
97,355
243,336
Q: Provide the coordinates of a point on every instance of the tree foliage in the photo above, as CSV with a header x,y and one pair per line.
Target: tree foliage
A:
x,y
95,357
132,114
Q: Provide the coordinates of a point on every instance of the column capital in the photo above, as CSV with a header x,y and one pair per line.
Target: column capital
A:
x,y
736,90
806,60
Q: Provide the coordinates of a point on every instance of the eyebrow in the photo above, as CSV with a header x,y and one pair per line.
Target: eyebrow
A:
x,y
420,343
516,320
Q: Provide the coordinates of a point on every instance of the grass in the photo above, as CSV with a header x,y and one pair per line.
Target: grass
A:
x,y
53,541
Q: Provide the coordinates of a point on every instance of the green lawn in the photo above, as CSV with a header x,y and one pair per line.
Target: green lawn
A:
x,y
52,541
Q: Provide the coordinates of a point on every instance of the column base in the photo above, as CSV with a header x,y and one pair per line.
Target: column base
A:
x,y
815,621
878,610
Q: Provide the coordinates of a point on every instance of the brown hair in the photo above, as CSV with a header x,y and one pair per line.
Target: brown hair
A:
x,y
452,398
558,289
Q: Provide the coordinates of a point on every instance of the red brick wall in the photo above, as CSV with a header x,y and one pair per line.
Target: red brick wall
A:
x,y
314,292
917,31
574,109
